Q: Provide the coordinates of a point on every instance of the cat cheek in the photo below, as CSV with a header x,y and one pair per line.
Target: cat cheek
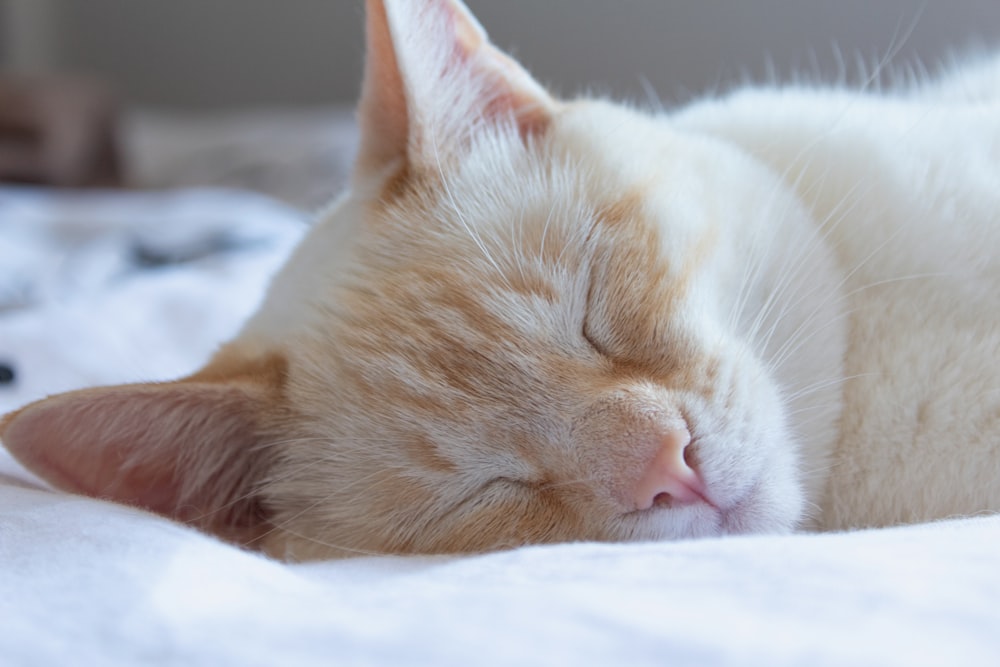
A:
x,y
750,468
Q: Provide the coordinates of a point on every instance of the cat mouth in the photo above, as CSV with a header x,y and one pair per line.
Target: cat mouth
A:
x,y
669,519
709,516
701,497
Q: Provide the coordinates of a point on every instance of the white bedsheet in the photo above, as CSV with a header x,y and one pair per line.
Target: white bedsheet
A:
x,y
83,582
114,287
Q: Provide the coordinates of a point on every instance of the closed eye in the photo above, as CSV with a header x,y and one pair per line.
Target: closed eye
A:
x,y
511,482
590,341
489,492
492,486
584,329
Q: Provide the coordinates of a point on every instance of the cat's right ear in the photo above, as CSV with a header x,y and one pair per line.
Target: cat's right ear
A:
x,y
432,79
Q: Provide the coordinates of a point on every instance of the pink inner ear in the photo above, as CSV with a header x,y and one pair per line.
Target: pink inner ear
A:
x,y
509,89
431,72
79,444
382,112
180,449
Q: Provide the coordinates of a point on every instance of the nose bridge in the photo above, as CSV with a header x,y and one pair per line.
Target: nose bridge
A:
x,y
624,432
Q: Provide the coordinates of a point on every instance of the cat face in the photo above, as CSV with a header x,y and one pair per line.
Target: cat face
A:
x,y
521,324
520,333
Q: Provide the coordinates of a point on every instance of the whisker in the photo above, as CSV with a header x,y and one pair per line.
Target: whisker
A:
x,y
824,384
461,216
330,545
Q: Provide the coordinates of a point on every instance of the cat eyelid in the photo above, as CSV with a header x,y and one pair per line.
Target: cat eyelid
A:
x,y
480,493
590,340
510,483
503,479
587,306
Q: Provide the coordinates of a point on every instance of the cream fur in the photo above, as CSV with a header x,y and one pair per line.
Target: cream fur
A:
x,y
914,183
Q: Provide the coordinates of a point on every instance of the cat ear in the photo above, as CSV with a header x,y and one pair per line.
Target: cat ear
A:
x,y
431,79
190,450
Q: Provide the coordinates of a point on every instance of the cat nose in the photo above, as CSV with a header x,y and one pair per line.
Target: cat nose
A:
x,y
668,474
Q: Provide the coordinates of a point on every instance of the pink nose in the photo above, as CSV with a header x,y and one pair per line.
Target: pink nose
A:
x,y
668,474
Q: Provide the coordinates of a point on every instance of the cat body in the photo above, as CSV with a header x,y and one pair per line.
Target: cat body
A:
x,y
531,320
907,186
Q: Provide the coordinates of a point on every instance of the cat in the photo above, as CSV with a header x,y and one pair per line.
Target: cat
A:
x,y
533,320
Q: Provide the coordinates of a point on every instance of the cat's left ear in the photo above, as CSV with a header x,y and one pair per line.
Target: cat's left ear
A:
x,y
195,450
432,79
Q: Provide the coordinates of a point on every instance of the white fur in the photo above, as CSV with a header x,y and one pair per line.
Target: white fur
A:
x,y
907,187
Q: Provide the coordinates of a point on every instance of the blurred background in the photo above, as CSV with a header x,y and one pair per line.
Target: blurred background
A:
x,y
257,93
137,137
197,54
210,54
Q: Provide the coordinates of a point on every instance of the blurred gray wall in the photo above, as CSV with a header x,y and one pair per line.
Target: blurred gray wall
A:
x,y
224,53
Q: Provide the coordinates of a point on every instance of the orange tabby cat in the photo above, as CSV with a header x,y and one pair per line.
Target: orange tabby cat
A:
x,y
533,320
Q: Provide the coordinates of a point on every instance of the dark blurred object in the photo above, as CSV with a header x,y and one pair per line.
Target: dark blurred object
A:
x,y
59,132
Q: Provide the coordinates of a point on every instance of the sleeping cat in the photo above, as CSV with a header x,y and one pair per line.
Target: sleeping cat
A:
x,y
535,320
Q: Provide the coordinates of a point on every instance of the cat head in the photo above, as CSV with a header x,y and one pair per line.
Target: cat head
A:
x,y
521,324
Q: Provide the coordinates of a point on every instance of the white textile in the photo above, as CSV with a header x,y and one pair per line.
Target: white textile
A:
x,y
120,287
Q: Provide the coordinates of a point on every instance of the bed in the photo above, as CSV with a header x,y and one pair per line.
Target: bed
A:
x,y
137,285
